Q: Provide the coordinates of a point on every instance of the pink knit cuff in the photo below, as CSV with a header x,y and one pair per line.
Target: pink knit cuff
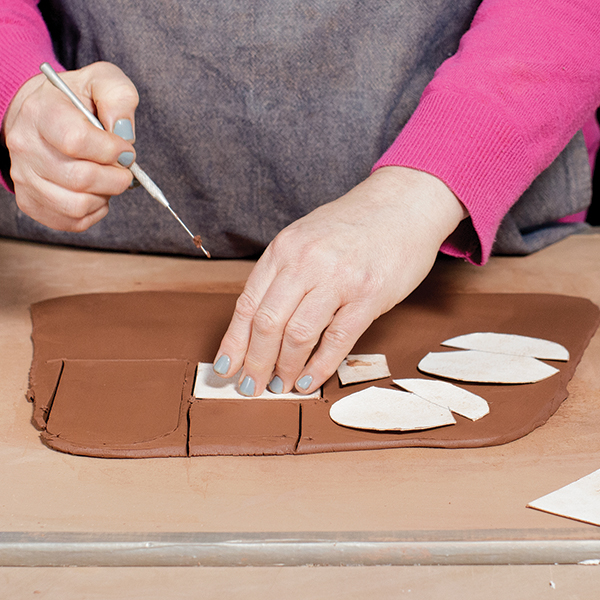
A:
x,y
477,153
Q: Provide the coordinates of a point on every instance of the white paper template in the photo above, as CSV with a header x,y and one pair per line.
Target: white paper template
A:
x,y
356,368
509,343
485,367
444,393
383,409
579,500
210,386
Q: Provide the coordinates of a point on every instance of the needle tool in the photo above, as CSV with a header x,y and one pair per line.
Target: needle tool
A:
x,y
138,173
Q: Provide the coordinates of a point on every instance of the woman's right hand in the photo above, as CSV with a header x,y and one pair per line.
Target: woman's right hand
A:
x,y
64,169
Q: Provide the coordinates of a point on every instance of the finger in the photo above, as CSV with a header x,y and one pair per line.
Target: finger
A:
x,y
49,165
302,333
42,215
74,136
90,178
232,351
349,323
59,208
82,176
115,97
268,325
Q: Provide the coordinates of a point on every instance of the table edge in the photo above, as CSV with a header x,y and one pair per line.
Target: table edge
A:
x,y
477,547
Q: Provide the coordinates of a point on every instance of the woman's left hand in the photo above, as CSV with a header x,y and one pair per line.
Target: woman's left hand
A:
x,y
326,277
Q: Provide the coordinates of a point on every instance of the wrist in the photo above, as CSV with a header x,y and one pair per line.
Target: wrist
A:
x,y
428,195
28,88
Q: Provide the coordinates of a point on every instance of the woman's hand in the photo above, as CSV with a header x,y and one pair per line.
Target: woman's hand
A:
x,y
63,168
326,277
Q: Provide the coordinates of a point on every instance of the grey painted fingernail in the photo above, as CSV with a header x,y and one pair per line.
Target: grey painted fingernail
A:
x,y
276,385
124,129
304,382
222,365
247,386
125,159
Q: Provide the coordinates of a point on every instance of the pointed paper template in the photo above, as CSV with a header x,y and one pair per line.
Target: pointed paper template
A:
x,y
448,395
579,500
485,367
507,343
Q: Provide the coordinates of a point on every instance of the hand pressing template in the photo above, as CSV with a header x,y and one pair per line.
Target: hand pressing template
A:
x,y
326,277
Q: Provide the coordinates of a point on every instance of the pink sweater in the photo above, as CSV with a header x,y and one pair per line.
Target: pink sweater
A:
x,y
525,79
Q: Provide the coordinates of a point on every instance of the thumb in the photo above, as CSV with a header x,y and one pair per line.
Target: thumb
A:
x,y
115,98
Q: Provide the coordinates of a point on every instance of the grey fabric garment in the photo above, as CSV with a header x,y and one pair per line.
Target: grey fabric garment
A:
x,y
253,112
531,223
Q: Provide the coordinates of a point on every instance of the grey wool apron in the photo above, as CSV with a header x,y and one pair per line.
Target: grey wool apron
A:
x,y
254,112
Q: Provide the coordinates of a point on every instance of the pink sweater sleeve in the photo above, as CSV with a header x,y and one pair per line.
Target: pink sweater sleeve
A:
x,y
24,45
525,79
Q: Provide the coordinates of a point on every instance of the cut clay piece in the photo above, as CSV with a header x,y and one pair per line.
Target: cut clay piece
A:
x,y
102,407
485,367
579,500
448,395
356,368
210,386
248,427
383,409
507,343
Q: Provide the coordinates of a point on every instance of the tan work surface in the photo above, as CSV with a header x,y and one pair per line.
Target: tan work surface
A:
x,y
517,582
437,502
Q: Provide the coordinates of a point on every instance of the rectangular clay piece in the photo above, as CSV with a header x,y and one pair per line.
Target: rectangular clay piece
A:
x,y
101,407
247,427
174,326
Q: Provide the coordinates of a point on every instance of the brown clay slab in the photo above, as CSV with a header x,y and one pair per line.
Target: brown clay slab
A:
x,y
188,327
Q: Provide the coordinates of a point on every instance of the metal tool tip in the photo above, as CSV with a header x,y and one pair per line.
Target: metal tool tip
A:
x,y
198,244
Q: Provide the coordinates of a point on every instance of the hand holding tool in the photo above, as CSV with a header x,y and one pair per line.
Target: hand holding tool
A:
x,y
138,173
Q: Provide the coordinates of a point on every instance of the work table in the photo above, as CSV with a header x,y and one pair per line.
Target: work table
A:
x,y
401,506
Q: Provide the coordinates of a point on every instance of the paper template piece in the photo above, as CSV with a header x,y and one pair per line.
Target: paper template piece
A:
x,y
507,343
356,368
210,386
485,367
383,409
448,395
579,500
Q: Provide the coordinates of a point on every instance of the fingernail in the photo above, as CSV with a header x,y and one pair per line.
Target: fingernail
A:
x,y
222,365
125,159
276,385
304,382
124,129
247,386
134,184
